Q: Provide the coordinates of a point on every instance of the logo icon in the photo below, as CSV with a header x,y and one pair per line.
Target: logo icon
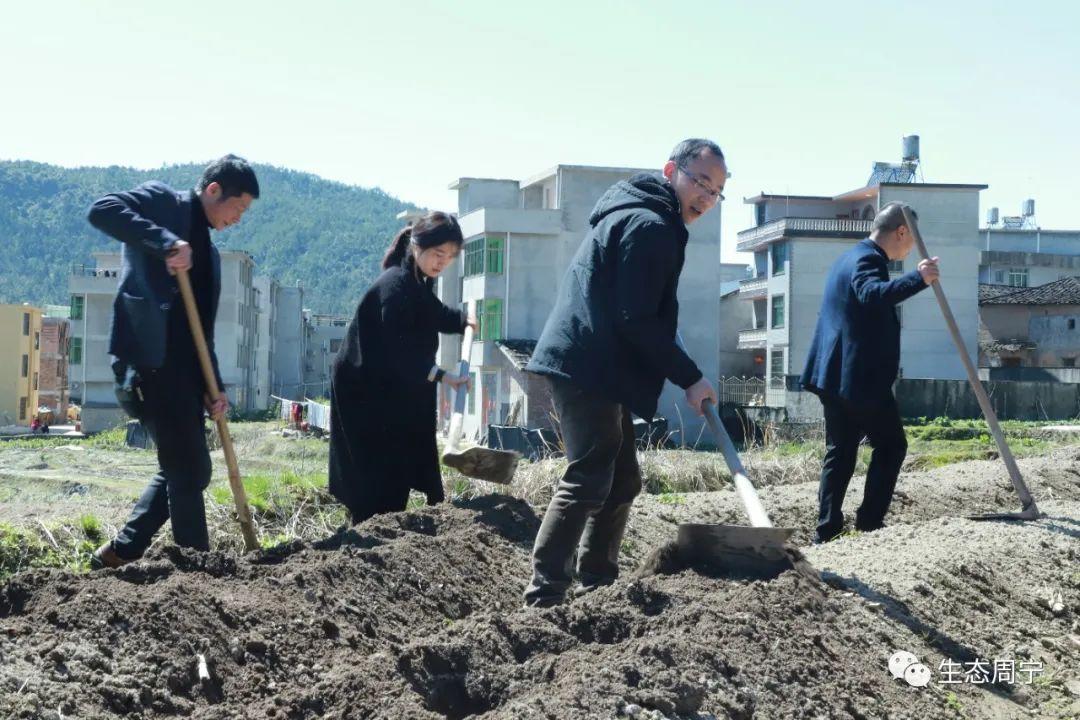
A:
x,y
906,666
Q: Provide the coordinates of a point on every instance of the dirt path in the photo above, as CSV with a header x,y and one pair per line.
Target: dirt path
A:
x,y
417,615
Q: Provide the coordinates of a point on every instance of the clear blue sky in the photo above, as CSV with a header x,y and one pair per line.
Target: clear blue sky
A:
x,y
408,95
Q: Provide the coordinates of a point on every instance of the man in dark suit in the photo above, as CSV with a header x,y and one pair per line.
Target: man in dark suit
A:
x,y
164,231
608,347
853,361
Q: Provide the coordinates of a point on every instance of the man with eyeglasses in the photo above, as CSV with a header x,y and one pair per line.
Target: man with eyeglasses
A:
x,y
607,348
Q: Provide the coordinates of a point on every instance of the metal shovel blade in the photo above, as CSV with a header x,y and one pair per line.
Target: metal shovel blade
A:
x,y
494,466
1030,512
752,551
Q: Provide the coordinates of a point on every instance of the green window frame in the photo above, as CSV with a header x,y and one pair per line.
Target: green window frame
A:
x,y
489,314
78,306
780,255
494,251
474,257
75,352
777,312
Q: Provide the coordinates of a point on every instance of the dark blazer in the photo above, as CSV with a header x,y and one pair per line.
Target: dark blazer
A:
x,y
612,330
149,220
855,353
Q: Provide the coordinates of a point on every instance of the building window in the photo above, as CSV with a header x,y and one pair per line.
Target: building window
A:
x,y
489,314
759,214
776,369
1072,323
474,257
35,381
494,261
26,324
1068,362
75,355
778,312
779,253
37,341
896,266
25,365
999,276
1018,277
335,345
23,402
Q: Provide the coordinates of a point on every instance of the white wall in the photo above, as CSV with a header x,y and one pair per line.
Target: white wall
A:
x,y
948,221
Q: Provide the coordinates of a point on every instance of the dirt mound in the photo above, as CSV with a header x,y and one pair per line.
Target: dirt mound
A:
x,y
418,615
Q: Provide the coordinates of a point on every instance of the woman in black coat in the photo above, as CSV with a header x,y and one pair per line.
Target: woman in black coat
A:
x,y
382,393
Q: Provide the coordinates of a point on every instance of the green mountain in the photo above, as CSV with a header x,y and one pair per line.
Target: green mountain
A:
x,y
328,236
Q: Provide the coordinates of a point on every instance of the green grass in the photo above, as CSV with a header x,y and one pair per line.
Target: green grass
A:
x,y
59,545
272,493
952,702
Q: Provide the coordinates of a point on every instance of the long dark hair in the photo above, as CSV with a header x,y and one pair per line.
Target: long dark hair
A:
x,y
432,230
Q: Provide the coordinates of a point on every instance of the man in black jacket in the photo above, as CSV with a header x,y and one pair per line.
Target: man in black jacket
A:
x,y
607,348
163,232
853,361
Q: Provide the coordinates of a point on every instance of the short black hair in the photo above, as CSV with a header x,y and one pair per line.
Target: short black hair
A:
x,y
891,217
692,148
233,174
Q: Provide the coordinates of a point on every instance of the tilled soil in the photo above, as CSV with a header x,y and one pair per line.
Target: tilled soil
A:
x,y
418,615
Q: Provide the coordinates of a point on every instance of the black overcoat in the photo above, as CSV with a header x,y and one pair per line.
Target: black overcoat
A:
x,y
383,406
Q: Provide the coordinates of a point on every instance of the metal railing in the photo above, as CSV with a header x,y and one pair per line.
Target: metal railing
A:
x,y
82,270
775,229
754,286
741,390
752,338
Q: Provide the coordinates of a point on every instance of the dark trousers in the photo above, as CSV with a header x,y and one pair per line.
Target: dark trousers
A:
x,y
173,413
845,427
591,506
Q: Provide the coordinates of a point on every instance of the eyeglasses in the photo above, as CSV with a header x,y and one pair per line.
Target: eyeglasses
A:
x,y
714,195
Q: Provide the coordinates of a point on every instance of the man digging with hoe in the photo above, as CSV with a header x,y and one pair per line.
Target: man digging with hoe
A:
x,y
159,379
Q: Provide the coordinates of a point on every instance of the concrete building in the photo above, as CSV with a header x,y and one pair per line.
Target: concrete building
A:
x,y
1019,253
289,337
236,329
798,237
92,289
266,289
520,237
323,335
20,352
1030,327
53,390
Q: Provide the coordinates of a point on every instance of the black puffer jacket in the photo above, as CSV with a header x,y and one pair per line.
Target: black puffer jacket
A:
x,y
612,330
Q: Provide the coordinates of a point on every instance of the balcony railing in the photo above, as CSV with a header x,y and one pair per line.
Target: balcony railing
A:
x,y
785,227
80,270
753,288
752,339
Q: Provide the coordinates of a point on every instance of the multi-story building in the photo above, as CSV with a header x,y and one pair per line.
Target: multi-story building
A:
x,y
1019,253
53,376
92,289
519,239
266,289
236,328
20,352
798,237
323,335
289,352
